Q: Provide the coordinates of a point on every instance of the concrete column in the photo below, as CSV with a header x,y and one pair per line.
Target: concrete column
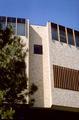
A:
x,y
74,38
58,32
16,27
6,21
66,35
25,27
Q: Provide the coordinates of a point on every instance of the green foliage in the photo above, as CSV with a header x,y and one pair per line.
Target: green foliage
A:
x,y
13,80
12,66
5,113
2,93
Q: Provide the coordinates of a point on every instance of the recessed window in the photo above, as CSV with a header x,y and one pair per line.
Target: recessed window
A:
x,y
2,19
20,20
38,49
3,22
54,31
62,34
21,26
12,21
70,36
77,38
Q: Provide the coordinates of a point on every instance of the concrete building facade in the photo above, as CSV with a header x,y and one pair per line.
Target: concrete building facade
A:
x,y
52,61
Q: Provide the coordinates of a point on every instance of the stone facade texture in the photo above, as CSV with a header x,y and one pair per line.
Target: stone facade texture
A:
x,y
40,67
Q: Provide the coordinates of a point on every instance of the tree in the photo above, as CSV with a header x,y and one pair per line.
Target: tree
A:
x,y
13,79
5,112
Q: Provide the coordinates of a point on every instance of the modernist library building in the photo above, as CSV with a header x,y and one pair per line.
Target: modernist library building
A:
x,y
52,61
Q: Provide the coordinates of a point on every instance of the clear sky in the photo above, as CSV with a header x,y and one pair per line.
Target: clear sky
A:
x,y
64,12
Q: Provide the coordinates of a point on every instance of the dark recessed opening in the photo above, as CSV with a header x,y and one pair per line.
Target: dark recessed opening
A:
x,y
62,34
70,36
38,49
54,31
11,19
20,20
2,19
77,38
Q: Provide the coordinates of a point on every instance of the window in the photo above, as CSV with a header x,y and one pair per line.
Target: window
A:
x,y
77,38
54,31
38,49
70,36
62,34
20,20
3,21
12,21
66,78
21,26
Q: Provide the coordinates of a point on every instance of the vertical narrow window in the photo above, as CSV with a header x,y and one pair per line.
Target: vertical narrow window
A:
x,y
62,34
38,49
3,22
12,21
20,26
77,38
54,31
70,36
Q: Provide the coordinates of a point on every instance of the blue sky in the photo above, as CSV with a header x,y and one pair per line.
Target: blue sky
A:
x,y
64,12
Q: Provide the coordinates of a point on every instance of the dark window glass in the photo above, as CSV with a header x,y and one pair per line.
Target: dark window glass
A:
x,y
21,26
77,38
62,34
2,19
70,36
38,49
11,19
20,20
54,31
12,22
3,22
13,26
21,29
3,25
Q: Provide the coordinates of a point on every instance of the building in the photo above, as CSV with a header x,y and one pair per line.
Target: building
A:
x,y
52,62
